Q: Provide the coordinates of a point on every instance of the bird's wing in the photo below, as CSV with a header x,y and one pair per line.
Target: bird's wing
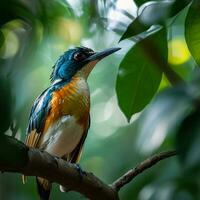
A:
x,y
38,115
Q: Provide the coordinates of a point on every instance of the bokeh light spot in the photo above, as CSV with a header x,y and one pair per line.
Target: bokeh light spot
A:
x,y
10,45
178,52
69,30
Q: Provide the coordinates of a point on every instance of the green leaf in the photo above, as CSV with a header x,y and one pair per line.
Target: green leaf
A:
x,y
1,38
155,12
140,2
138,78
151,13
178,6
167,113
5,105
134,28
163,116
192,28
188,140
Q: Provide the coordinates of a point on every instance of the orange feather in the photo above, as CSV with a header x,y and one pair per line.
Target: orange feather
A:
x,y
69,100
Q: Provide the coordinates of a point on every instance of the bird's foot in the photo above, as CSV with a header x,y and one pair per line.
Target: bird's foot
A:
x,y
56,160
80,171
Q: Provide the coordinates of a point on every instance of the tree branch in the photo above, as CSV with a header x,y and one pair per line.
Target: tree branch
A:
x,y
57,170
149,162
17,157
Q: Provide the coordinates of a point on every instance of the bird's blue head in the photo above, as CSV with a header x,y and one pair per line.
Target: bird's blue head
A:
x,y
77,60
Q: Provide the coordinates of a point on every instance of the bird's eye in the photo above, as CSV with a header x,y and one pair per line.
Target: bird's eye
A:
x,y
79,56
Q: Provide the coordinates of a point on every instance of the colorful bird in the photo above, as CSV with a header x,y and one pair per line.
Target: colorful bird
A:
x,y
60,117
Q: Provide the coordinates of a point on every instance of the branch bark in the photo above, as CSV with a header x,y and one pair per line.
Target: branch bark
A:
x,y
67,174
149,162
57,170
16,157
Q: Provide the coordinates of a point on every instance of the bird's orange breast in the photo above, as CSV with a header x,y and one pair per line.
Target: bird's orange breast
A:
x,y
72,99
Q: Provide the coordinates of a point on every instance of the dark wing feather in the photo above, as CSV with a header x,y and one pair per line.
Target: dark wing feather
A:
x,y
37,117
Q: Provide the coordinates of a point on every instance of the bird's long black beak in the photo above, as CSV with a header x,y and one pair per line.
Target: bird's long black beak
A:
x,y
102,54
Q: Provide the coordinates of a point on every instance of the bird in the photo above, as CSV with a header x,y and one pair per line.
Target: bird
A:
x,y
60,116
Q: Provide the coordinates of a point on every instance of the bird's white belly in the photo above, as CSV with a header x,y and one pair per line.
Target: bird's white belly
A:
x,y
63,137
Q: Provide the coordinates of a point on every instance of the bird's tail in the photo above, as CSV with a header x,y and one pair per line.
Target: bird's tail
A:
x,y
24,179
64,189
44,188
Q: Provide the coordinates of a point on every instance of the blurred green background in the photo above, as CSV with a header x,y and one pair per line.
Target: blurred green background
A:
x,y
33,35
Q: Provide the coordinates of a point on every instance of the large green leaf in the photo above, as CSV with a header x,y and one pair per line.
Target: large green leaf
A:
x,y
1,38
178,6
152,13
188,140
140,2
138,78
155,12
5,105
163,115
192,30
134,28
170,110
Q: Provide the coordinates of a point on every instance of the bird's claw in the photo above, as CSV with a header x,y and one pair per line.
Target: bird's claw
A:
x,y
80,171
56,159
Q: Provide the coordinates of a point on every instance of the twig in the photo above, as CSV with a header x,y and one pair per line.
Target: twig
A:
x,y
131,174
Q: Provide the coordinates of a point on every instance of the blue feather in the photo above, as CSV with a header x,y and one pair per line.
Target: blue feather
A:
x,y
41,108
66,66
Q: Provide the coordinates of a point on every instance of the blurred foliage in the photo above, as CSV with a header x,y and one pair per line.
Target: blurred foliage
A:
x,y
188,142
16,154
5,105
33,34
192,25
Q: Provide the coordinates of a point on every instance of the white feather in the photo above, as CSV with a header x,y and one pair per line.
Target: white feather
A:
x,y
63,136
